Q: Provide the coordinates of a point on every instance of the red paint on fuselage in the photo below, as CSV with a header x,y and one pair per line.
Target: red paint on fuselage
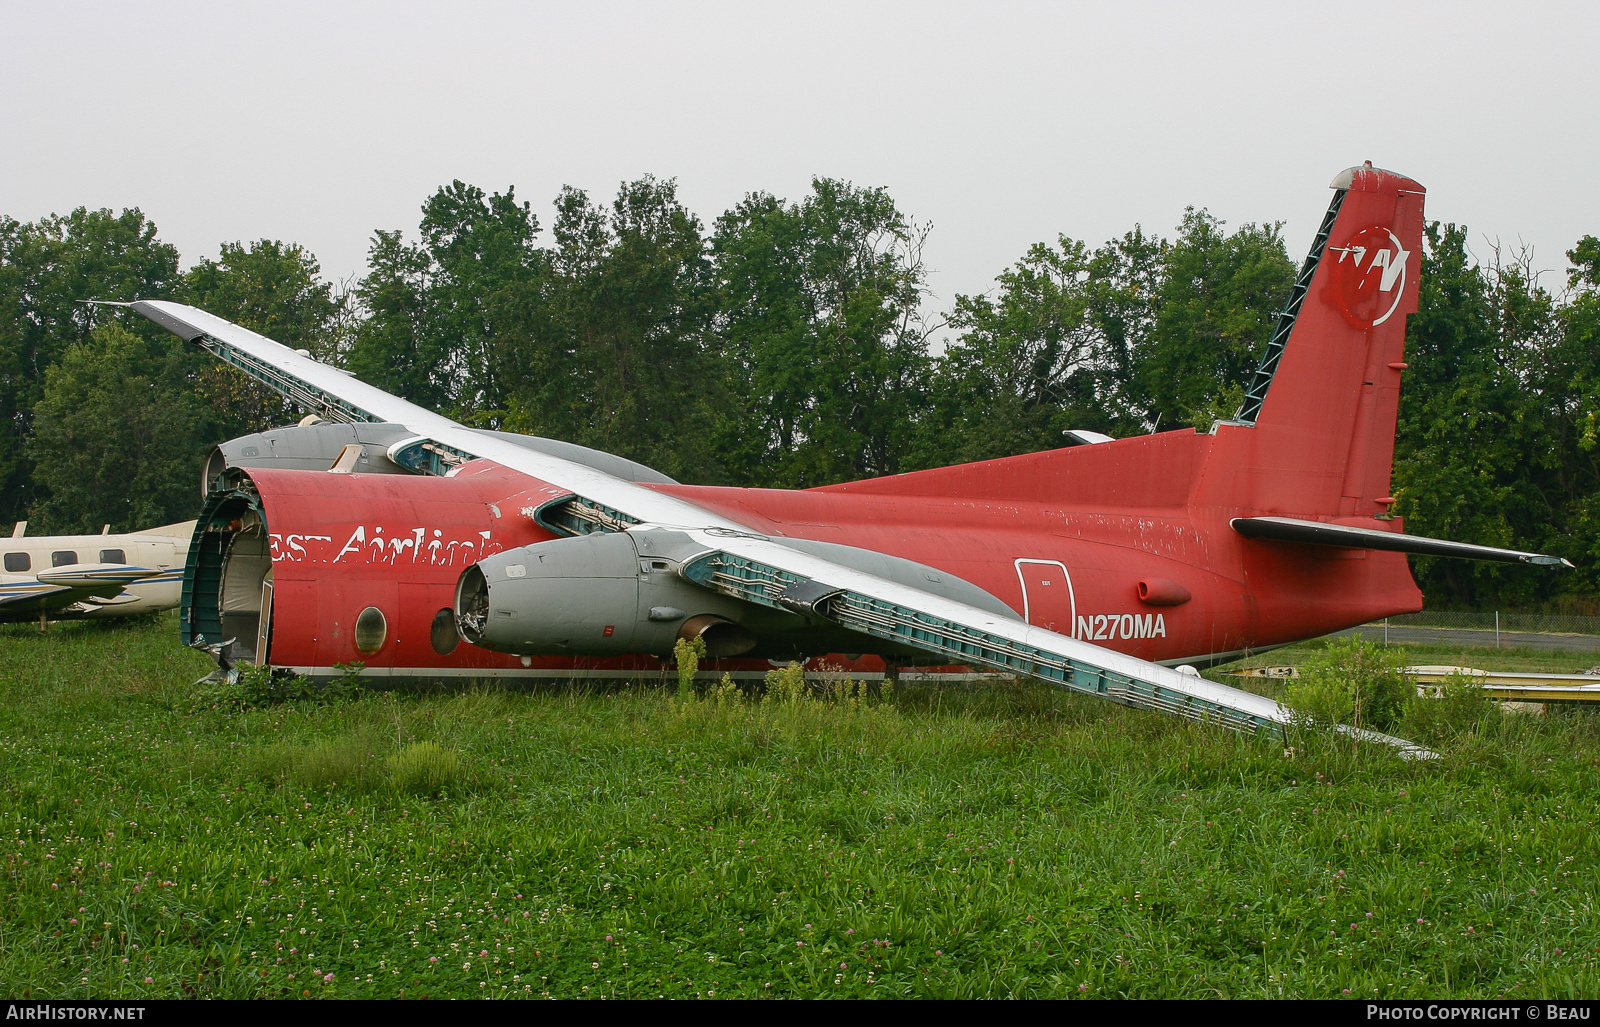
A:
x,y
1244,594
1111,514
343,542
1105,516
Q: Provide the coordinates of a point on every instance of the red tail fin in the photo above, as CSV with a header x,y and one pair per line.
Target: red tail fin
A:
x,y
1324,401
1316,433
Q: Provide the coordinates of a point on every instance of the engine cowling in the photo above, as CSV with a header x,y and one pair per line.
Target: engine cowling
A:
x,y
594,595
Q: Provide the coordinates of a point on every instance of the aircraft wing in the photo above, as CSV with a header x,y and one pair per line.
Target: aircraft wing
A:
x,y
23,597
27,595
738,561
762,570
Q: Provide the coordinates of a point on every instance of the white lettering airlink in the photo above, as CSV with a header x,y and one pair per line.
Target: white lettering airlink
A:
x,y
1098,626
411,545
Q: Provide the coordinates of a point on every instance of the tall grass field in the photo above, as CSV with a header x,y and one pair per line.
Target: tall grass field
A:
x,y
991,839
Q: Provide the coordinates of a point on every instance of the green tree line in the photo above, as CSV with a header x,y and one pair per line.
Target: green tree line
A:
x,y
788,344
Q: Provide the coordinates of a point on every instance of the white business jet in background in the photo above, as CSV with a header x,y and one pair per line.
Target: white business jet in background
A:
x,y
72,577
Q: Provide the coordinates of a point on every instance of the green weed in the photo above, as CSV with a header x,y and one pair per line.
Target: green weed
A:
x,y
349,761
1458,708
424,768
1352,682
688,652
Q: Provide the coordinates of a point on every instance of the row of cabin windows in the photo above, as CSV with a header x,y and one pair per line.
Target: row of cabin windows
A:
x,y
16,563
372,631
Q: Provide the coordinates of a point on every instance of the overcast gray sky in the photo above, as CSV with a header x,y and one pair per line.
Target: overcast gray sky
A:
x,y
1001,123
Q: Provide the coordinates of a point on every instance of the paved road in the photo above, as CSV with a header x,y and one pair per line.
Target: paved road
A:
x,y
1474,637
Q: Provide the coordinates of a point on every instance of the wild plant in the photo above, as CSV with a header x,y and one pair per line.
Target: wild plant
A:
x,y
1352,682
689,652
1459,707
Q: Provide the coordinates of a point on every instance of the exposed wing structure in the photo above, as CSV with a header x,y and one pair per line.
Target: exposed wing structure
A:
x,y
765,571
440,443
1321,533
736,561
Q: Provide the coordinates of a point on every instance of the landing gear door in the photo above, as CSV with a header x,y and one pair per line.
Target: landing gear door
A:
x,y
1047,597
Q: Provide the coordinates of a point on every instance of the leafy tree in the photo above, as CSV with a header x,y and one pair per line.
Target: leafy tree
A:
x,y
47,268
820,328
621,354
391,347
1026,366
1560,366
444,316
1124,286
115,435
1138,334
1582,332
274,288
1056,350
1216,306
1462,446
485,268
131,455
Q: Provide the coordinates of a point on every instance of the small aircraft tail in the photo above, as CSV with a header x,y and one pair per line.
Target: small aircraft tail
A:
x,y
1322,405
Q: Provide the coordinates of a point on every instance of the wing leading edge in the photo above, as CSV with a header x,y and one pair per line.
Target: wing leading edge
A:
x,y
739,561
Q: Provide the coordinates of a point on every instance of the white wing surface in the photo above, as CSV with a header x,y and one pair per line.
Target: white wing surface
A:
x,y
740,561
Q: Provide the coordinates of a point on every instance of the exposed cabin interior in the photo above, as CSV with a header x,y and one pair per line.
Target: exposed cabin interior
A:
x,y
246,590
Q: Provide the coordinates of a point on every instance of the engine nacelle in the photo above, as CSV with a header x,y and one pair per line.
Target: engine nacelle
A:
x,y
597,595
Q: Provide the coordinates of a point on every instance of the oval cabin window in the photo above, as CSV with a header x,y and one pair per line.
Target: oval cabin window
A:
x,y
372,630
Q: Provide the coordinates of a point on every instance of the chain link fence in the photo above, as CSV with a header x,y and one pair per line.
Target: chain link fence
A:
x,y
1580,633
1542,623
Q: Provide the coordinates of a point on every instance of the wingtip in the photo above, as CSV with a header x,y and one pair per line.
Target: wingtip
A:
x,y
1540,560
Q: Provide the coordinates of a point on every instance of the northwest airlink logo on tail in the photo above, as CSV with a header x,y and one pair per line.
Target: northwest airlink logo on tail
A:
x,y
1369,277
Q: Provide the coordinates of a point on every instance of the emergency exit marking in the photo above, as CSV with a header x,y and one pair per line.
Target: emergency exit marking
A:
x,y
609,629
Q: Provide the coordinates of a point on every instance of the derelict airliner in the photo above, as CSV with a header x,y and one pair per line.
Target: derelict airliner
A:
x,y
390,535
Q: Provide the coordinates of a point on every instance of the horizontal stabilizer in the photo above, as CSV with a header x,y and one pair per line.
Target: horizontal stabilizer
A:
x,y
1319,533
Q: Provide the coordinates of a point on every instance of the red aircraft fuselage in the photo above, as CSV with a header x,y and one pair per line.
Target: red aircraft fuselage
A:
x,y
1125,543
